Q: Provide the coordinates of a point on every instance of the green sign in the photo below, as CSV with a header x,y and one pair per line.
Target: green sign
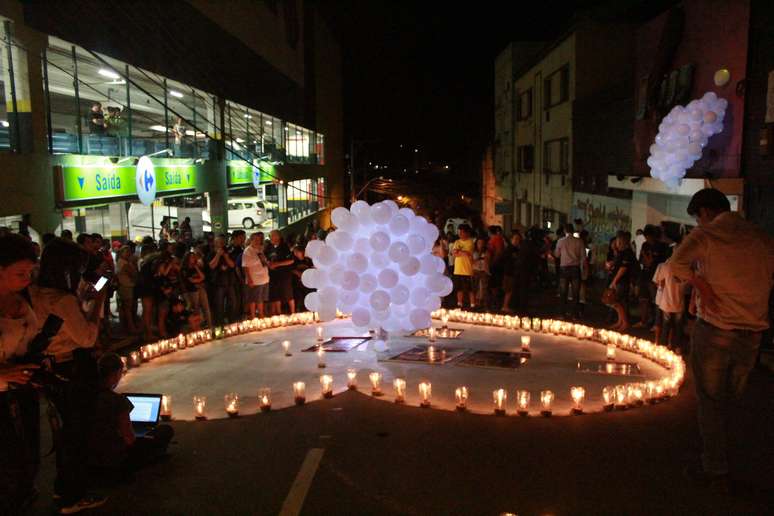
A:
x,y
97,177
241,172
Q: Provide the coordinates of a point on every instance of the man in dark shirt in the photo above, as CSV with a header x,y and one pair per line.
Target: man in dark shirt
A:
x,y
222,266
280,274
653,253
235,251
96,119
622,269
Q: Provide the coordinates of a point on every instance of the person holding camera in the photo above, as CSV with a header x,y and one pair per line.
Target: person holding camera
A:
x,y
61,292
19,409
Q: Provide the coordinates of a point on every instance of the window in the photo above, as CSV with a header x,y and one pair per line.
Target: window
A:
x,y
15,127
556,156
556,87
525,155
524,106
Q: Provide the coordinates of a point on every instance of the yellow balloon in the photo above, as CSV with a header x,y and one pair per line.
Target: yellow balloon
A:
x,y
722,77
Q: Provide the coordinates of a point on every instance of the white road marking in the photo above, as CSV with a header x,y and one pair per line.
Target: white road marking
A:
x,y
298,491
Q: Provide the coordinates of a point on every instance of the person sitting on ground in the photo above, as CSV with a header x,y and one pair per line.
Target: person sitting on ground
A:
x,y
180,320
113,446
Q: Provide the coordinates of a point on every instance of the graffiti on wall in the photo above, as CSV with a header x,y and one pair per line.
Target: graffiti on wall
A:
x,y
602,217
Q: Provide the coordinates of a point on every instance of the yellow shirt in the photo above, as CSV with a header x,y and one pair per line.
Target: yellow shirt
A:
x,y
463,265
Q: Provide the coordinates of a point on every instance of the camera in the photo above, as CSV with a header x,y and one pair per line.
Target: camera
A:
x,y
44,376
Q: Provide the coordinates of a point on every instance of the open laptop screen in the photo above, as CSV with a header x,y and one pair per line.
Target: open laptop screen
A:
x,y
146,408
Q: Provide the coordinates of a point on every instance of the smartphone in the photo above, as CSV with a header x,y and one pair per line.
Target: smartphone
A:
x,y
100,283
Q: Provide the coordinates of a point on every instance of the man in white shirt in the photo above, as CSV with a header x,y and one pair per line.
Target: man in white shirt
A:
x,y
570,252
730,263
256,274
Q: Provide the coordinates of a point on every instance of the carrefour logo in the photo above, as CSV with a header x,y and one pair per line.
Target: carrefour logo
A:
x,y
145,180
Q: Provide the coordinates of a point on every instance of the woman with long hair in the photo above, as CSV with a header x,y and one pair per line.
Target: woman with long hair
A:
x,y
127,274
193,283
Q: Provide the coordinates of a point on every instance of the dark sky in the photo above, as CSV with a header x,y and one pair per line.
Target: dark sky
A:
x,y
421,72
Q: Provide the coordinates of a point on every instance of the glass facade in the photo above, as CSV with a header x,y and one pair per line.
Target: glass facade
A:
x,y
15,121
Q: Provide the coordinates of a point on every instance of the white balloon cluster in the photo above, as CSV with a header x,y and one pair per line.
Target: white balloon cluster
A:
x,y
682,135
377,265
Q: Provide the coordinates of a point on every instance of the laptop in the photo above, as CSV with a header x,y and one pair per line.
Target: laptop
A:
x,y
145,414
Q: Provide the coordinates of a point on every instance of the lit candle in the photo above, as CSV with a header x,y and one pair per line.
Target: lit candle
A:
x,y
146,355
525,340
637,394
376,383
264,399
326,383
180,341
320,357
351,379
166,407
546,400
578,395
536,324
425,392
232,404
608,397
650,391
499,396
445,321
431,333
610,351
461,395
431,354
286,347
125,363
319,334
522,402
400,390
200,407
620,397
299,392
134,359
525,323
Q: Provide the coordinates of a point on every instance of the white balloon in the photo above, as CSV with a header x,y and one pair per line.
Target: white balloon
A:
x,y
340,240
340,216
440,265
427,264
357,262
430,233
313,248
350,280
380,213
368,283
419,296
312,301
380,315
347,299
710,117
398,252
435,282
360,208
392,205
362,246
399,225
379,300
388,278
392,324
322,278
327,313
409,266
400,294
336,274
407,212
328,296
308,278
434,303
416,244
420,318
379,261
361,317
380,241
327,256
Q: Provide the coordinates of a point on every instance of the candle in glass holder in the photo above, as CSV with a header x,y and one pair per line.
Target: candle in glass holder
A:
x,y
637,394
326,384
425,392
522,402
320,357
610,351
608,397
351,379
125,363
299,392
400,390
525,340
200,407
166,407
286,348
264,399
546,400
650,391
376,383
231,401
525,323
134,359
145,353
499,396
620,397
461,395
431,333
578,394
180,341
444,321
319,334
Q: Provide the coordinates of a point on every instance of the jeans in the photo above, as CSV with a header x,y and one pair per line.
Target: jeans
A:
x,y
721,361
670,321
197,301
224,295
570,275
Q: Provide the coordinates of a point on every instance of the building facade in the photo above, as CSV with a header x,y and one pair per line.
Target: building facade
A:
x,y
120,115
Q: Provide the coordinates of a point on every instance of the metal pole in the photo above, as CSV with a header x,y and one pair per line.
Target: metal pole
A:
x,y
77,103
130,150
166,116
193,116
16,129
49,126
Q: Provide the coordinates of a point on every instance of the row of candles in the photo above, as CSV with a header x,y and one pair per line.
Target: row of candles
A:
x,y
614,397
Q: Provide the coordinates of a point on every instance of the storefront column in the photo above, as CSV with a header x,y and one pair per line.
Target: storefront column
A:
x,y
214,176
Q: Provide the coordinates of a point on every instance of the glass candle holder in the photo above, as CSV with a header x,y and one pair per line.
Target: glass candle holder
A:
x,y
376,383
578,395
286,348
351,379
620,397
135,359
499,397
461,397
522,402
425,393
650,391
399,384
166,407
637,394
299,393
536,324
608,397
546,402
264,399
444,321
525,341
319,332
125,363
610,351
145,352
326,385
431,334
180,341
231,401
525,323
200,407
320,357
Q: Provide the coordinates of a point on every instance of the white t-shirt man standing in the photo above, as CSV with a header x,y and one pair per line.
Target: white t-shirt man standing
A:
x,y
256,269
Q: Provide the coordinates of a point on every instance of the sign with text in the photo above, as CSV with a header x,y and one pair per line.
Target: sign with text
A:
x,y
241,173
86,178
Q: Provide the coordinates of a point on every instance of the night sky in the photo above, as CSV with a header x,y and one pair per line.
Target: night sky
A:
x,y
421,72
